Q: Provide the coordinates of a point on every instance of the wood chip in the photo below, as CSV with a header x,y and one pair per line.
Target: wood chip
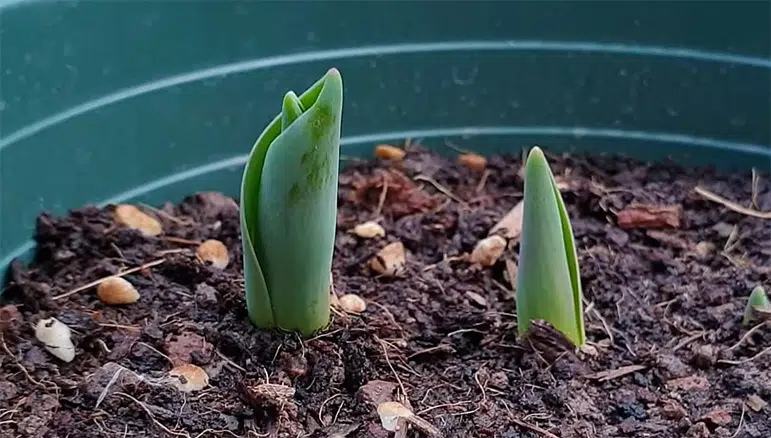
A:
x,y
510,226
689,383
267,394
649,216
717,417
756,403
604,376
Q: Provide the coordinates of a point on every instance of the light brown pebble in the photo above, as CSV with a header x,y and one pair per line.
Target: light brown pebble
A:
x,y
369,230
117,290
488,250
188,377
352,303
134,218
390,260
388,152
214,252
473,161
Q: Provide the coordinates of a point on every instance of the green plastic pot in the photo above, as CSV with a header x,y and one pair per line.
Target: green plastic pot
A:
x,y
107,102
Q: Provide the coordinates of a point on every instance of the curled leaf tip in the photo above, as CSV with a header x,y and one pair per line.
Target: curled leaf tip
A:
x,y
291,110
536,153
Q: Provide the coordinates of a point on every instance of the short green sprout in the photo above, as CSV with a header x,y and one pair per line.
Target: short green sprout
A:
x,y
548,281
758,305
289,211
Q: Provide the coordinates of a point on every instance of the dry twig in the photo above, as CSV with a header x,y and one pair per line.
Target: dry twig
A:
x,y
748,334
534,428
442,189
741,420
732,205
152,417
120,274
743,361
604,376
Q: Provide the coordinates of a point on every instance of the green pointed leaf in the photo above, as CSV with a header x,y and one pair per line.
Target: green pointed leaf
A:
x,y
548,279
289,210
758,303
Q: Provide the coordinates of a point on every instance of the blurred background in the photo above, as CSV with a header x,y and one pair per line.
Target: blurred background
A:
x,y
109,101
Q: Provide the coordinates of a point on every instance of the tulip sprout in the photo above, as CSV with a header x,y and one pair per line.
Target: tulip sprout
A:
x,y
289,210
758,306
548,281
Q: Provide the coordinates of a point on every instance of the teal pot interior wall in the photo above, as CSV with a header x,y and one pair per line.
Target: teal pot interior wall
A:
x,y
150,101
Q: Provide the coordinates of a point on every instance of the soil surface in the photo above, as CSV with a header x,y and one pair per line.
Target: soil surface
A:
x,y
666,275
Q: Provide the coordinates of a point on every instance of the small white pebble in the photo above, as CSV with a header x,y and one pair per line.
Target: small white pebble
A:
x,y
134,218
56,337
352,303
488,250
214,252
188,377
117,290
390,260
369,230
704,248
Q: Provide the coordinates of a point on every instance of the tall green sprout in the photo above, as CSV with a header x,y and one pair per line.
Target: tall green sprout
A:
x,y
289,210
548,281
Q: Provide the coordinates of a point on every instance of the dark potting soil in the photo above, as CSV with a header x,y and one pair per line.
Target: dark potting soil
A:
x,y
666,274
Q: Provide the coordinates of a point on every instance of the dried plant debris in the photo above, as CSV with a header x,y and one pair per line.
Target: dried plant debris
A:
x,y
401,196
649,216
